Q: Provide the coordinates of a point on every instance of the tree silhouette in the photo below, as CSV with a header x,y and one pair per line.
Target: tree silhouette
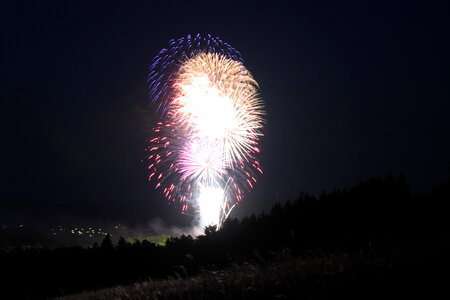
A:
x,y
210,230
107,244
122,244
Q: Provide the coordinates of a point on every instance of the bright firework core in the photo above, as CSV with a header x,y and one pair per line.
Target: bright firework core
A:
x,y
205,152
210,203
212,114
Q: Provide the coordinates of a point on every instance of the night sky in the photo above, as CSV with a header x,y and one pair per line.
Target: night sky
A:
x,y
352,91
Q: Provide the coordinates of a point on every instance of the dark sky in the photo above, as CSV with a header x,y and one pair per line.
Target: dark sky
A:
x,y
352,91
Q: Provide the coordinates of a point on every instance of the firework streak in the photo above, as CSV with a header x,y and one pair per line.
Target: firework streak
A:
x,y
203,155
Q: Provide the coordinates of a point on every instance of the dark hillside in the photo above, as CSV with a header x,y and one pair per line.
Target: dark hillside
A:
x,y
377,222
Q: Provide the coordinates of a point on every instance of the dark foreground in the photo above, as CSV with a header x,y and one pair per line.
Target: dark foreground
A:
x,y
418,270
375,240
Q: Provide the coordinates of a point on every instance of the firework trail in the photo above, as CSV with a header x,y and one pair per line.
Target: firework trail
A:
x,y
204,153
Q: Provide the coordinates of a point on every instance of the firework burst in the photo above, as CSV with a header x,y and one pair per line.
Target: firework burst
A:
x,y
204,153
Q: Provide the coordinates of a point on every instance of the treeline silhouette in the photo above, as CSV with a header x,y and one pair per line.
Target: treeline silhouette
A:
x,y
380,211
